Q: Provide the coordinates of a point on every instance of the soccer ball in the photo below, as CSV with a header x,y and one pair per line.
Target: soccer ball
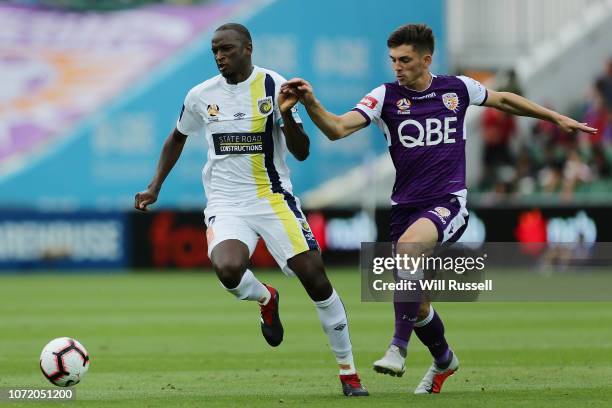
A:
x,y
64,361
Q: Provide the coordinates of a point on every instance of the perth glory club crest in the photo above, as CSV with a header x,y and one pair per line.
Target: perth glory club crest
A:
x,y
451,101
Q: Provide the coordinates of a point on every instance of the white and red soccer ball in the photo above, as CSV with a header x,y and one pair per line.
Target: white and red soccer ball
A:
x,y
64,361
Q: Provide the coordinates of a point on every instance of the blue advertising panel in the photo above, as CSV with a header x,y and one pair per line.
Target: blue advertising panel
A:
x,y
110,154
70,240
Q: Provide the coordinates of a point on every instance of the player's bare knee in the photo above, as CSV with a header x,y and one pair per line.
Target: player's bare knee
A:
x,y
412,244
315,281
409,237
321,289
419,239
229,270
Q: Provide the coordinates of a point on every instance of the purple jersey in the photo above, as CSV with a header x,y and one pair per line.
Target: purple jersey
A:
x,y
425,132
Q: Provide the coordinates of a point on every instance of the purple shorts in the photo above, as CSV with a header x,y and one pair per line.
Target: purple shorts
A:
x,y
449,215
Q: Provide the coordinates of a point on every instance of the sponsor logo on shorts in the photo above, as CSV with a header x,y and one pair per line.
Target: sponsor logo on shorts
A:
x,y
238,143
239,115
264,105
442,213
451,101
304,224
369,102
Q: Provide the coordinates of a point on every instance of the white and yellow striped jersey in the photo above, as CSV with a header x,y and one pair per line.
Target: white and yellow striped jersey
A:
x,y
242,126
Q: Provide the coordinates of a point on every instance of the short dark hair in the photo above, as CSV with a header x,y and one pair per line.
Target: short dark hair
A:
x,y
239,28
420,36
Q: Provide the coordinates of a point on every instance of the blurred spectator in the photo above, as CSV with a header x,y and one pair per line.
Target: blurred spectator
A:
x,y
597,113
606,86
599,164
605,90
524,179
549,176
512,83
575,172
497,130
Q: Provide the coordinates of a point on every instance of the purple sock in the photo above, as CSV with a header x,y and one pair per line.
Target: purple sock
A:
x,y
431,332
405,316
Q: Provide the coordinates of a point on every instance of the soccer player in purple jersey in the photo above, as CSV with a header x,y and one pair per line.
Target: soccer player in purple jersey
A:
x,y
422,116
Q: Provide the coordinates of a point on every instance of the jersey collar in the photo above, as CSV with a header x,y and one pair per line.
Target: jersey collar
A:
x,y
424,90
240,85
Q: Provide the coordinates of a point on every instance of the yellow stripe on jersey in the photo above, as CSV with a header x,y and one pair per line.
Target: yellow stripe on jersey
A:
x,y
262,180
292,227
258,91
258,125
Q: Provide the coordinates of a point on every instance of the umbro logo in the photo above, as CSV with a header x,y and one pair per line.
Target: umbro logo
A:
x,y
239,115
428,96
340,327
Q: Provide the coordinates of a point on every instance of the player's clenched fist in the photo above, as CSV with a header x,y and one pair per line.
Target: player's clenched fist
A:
x,y
143,199
301,87
287,99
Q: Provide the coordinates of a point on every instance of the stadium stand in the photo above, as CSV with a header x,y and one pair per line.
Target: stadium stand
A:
x,y
545,160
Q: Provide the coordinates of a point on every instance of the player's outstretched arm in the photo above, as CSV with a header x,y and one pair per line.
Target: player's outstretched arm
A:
x,y
518,105
333,126
173,146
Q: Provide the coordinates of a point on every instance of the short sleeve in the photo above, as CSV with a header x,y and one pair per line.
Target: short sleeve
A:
x,y
278,81
189,121
476,91
370,106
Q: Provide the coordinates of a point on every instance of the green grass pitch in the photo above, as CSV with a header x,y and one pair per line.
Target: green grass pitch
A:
x,y
175,339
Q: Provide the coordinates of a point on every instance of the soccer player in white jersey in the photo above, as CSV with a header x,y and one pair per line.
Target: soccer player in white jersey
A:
x,y
249,126
422,117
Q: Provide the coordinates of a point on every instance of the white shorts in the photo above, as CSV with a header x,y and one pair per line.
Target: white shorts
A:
x,y
277,219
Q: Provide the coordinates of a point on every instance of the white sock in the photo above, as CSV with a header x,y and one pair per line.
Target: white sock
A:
x,y
250,288
335,325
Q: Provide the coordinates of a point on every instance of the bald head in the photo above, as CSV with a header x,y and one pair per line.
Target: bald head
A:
x,y
243,33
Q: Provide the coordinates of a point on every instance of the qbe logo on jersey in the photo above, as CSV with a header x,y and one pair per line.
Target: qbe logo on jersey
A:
x,y
412,133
